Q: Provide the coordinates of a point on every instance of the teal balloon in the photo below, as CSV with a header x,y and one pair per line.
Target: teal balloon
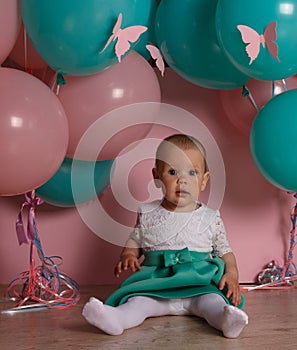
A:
x,y
273,141
148,36
186,35
86,179
257,14
69,34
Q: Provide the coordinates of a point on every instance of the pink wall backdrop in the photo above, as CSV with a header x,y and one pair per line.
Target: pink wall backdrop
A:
x,y
256,214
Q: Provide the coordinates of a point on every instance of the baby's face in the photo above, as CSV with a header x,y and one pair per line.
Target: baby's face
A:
x,y
183,176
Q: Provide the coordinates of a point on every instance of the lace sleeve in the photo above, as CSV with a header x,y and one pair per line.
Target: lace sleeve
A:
x,y
136,233
221,245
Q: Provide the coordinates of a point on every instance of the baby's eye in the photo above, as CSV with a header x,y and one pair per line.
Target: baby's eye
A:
x,y
192,172
172,172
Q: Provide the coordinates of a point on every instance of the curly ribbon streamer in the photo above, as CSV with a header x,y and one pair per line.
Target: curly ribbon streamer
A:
x,y
274,276
43,285
290,268
32,201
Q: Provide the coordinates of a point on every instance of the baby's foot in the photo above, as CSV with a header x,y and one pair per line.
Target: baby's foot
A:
x,y
102,316
234,321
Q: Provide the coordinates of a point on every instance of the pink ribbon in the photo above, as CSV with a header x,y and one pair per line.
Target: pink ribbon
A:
x,y
31,201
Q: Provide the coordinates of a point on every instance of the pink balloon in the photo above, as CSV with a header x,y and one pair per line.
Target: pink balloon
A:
x,y
241,111
33,132
10,20
24,53
87,98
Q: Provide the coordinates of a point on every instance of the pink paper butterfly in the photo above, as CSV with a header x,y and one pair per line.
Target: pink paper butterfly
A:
x,y
124,37
156,55
254,40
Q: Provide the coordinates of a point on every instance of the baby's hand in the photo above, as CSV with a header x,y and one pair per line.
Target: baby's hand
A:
x,y
127,261
230,281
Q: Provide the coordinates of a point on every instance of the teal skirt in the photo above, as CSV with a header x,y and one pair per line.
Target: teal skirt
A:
x,y
173,274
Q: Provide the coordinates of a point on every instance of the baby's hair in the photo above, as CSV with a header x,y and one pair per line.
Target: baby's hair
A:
x,y
184,142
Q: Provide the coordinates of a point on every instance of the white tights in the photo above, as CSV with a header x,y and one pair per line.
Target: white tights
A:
x,y
212,307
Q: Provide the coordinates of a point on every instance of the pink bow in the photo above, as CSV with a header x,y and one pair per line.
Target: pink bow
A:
x,y
31,201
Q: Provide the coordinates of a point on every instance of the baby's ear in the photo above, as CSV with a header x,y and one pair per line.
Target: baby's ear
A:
x,y
157,181
205,180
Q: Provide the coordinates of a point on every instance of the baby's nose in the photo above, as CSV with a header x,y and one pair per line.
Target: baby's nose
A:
x,y
182,178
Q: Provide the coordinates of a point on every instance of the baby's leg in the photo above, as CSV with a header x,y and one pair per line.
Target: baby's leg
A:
x,y
213,308
114,320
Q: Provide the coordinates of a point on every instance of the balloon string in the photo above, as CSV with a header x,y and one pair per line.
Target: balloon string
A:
x,y
44,72
273,87
58,81
25,49
42,284
286,283
246,93
54,81
58,90
285,85
289,268
288,273
31,202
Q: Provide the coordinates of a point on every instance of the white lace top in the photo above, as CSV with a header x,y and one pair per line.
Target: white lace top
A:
x,y
201,230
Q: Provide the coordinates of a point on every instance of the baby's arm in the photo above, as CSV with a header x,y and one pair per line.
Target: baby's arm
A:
x,y
129,258
230,278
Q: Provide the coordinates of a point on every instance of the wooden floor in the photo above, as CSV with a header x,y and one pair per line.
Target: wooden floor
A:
x,y
272,325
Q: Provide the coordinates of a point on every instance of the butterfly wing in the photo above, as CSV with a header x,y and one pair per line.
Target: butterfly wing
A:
x,y
110,39
118,24
125,37
115,32
270,35
132,33
270,31
156,55
273,49
252,38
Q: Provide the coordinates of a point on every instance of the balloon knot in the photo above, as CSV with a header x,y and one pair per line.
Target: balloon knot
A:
x,y
60,79
245,92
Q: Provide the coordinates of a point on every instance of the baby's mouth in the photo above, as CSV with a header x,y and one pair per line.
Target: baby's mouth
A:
x,y
182,192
